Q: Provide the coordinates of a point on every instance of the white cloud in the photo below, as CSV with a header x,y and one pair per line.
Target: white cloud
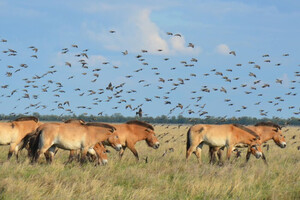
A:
x,y
178,44
140,32
285,79
147,33
96,60
223,49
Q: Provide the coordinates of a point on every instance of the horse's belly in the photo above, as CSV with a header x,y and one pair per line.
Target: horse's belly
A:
x,y
5,138
215,141
68,145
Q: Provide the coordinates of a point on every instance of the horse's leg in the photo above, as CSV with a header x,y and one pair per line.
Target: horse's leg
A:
x,y
248,154
17,151
133,150
198,153
47,156
42,149
71,156
122,152
11,150
51,152
191,149
264,158
83,154
40,152
219,154
229,151
211,152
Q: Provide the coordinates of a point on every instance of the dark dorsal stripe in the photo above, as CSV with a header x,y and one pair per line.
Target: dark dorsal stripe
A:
x,y
141,123
75,120
272,124
97,124
247,130
29,118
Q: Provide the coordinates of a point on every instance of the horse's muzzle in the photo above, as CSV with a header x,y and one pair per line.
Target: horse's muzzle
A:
x,y
156,145
258,155
118,147
282,144
104,162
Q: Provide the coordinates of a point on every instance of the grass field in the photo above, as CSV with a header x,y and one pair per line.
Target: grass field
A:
x,y
167,177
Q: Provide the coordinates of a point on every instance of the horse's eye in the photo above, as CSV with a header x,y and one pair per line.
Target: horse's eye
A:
x,y
117,136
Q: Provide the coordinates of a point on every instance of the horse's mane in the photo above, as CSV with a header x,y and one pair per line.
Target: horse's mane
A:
x,y
247,130
272,124
26,119
104,125
75,120
141,123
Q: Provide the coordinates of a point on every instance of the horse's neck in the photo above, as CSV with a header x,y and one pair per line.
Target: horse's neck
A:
x,y
141,133
101,134
263,133
266,134
243,137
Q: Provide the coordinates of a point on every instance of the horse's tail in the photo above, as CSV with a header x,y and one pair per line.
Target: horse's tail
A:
x,y
188,139
192,131
34,146
25,141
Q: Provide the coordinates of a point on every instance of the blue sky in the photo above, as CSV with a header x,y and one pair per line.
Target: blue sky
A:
x,y
250,28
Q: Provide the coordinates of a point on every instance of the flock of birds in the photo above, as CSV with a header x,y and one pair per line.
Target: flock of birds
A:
x,y
77,87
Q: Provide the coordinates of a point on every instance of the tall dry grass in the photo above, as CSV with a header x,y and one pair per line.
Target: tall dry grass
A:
x,y
163,177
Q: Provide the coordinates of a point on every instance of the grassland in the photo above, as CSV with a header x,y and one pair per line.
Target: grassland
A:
x,y
163,177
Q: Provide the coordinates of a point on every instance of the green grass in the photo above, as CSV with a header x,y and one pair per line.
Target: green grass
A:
x,y
167,177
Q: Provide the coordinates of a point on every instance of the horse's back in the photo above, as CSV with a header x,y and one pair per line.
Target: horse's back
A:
x,y
7,133
213,135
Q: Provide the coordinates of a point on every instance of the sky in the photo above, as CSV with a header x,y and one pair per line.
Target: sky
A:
x,y
200,79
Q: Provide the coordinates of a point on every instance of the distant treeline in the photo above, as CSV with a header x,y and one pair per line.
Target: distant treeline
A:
x,y
163,119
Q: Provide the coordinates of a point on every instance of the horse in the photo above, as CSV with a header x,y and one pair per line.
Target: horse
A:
x,y
72,136
132,132
98,152
12,133
266,132
227,135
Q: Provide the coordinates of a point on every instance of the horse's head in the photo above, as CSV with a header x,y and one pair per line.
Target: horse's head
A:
x,y
151,139
114,141
256,150
275,131
278,137
102,154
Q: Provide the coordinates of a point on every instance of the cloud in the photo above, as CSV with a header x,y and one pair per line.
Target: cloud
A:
x,y
223,49
147,33
139,32
285,79
178,45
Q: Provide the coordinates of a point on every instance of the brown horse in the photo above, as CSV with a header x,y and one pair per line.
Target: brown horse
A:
x,y
133,131
227,135
266,132
72,136
99,152
12,133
